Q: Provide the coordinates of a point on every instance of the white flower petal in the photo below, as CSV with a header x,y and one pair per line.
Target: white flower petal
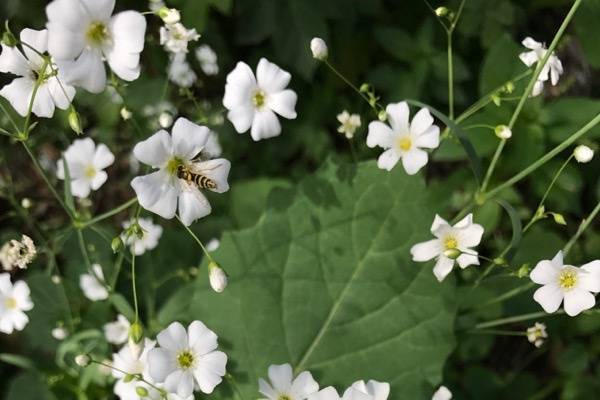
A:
x,y
98,180
267,390
531,43
87,71
66,20
36,39
414,160
469,236
281,377
128,29
240,85
62,94
439,222
443,393
549,297
545,272
174,338
538,88
328,393
264,125
157,192
283,103
210,370
81,187
398,114
193,205
161,363
156,150
98,9
429,139
529,58
558,259
12,61
442,268
124,64
241,118
464,260
103,157
380,135
578,300
388,159
421,122
426,251
270,77
188,138
18,93
43,105
379,390
201,339
303,386
590,280
217,170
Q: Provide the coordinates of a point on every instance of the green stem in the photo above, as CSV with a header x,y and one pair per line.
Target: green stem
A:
x,y
516,318
10,118
343,78
133,286
505,296
109,213
584,225
497,332
546,157
450,77
192,234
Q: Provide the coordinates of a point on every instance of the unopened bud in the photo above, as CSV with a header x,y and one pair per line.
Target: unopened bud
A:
x,y
75,122
523,272
141,391
365,88
169,15
116,244
82,360
135,348
56,279
125,114
217,277
500,261
319,49
496,100
26,203
382,115
136,332
441,11
128,378
165,120
503,132
583,154
509,87
452,253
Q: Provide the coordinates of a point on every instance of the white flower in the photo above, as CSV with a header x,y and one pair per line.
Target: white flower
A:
x,y
169,15
28,68
117,332
86,163
175,37
17,253
184,357
151,233
82,360
162,190
132,364
283,385
583,154
349,123
207,59
213,244
403,140
503,132
180,72
217,277
253,102
553,68
329,393
443,393
92,285
452,242
379,390
14,300
155,5
59,333
318,47
560,281
536,334
82,34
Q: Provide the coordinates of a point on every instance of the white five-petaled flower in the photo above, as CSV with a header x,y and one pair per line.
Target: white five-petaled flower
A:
x,y
565,282
443,393
404,140
86,163
208,59
329,393
132,363
451,243
117,332
175,37
84,33
151,233
29,66
536,334
161,191
254,102
92,284
349,123
180,72
14,300
185,357
553,68
283,385
378,390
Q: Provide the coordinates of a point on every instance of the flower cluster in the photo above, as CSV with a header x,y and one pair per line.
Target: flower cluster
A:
x,y
15,253
551,70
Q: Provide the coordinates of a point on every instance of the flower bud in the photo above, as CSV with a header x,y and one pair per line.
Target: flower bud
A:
x,y
75,121
116,244
59,333
169,15
82,360
125,114
452,253
128,378
165,120
523,271
8,39
135,348
26,203
217,277
441,11
503,132
136,332
583,154
56,279
141,391
382,115
319,49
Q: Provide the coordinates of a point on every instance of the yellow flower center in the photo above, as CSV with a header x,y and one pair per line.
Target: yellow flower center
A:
x,y
284,397
405,143
185,359
90,171
450,243
173,165
258,99
10,303
567,279
97,33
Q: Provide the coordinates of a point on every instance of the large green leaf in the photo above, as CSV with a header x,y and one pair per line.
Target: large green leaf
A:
x,y
324,281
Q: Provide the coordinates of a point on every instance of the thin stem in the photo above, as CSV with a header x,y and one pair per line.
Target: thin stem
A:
x,y
343,78
192,234
139,377
548,156
133,286
109,213
12,121
450,77
234,385
497,332
584,225
84,253
516,318
505,296
37,85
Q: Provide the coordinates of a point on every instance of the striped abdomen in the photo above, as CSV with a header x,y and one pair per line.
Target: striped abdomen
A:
x,y
203,182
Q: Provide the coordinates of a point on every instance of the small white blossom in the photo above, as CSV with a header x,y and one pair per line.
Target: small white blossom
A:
x,y
536,334
59,333
379,390
151,233
283,385
82,360
92,284
552,70
26,203
180,72
217,277
503,132
17,253
404,140
451,243
329,393
169,15
28,66
186,358
213,244
117,332
84,33
175,37
349,123
133,363
254,102
155,5
583,154
86,163
163,191
319,50
207,59
576,286
14,301
443,393
125,114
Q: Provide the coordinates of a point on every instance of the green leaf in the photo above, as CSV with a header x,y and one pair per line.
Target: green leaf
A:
x,y
587,29
517,229
325,282
29,386
122,306
17,360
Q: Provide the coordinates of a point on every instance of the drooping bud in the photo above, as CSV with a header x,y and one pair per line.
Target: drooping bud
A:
x,y
165,120
116,244
319,49
169,15
382,115
82,360
26,203
125,114
441,11
217,277
8,38
523,272
583,154
503,132
75,121
141,391
452,254
56,279
136,332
